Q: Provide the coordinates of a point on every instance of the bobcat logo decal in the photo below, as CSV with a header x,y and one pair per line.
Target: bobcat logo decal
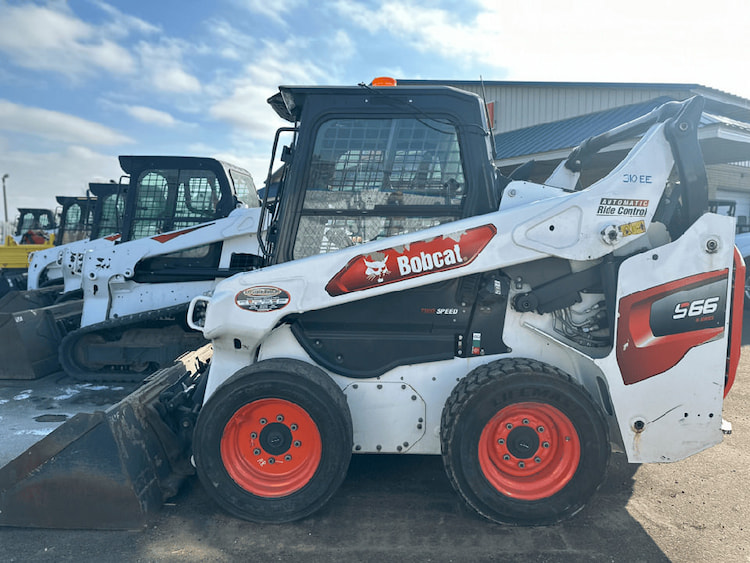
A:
x,y
376,270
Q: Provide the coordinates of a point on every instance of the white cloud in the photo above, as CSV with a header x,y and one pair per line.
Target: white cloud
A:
x,y
162,64
150,115
245,105
271,10
430,30
36,178
42,38
122,24
636,41
233,43
56,126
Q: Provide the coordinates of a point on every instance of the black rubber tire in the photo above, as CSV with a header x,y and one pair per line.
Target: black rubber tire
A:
x,y
517,383
279,379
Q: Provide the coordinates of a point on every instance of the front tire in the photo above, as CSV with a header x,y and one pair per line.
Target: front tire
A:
x,y
273,443
523,443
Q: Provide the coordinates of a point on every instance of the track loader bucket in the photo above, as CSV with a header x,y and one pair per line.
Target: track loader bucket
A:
x,y
29,339
107,470
20,300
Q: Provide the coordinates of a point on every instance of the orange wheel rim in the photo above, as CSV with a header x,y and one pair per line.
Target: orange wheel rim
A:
x,y
529,451
271,447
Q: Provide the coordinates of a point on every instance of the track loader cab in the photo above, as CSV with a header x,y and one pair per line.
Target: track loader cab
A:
x,y
76,215
174,192
76,218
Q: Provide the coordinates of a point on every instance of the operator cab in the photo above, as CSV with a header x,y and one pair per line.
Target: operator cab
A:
x,y
367,163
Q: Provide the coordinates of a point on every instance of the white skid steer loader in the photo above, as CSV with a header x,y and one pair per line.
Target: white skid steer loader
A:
x,y
413,300
513,342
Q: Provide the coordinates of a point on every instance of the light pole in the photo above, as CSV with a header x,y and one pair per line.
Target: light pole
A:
x,y
5,200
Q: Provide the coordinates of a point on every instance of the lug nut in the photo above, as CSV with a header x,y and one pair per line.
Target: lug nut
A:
x,y
263,421
509,426
521,464
279,418
545,445
256,451
293,427
506,457
297,443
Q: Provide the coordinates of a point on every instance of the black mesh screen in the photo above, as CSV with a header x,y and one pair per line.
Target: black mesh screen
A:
x,y
172,199
378,178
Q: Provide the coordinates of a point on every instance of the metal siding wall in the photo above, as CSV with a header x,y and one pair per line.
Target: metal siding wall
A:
x,y
519,106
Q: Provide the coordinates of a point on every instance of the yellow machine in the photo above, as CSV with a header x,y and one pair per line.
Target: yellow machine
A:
x,y
15,256
35,230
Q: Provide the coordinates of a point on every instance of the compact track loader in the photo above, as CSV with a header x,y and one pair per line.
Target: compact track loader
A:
x,y
78,219
170,207
412,300
81,220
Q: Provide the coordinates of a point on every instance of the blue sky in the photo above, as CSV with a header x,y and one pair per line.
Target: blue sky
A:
x,y
82,81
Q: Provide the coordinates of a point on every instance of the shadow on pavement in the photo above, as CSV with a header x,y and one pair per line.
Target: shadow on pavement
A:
x,y
403,508
390,508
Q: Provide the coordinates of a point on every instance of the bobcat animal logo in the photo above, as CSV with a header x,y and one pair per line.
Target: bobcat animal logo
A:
x,y
376,269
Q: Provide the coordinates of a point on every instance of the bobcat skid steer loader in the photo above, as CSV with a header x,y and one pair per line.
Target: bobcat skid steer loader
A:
x,y
409,299
514,329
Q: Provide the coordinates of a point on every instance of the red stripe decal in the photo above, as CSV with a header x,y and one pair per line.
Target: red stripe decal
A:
x,y
166,237
416,259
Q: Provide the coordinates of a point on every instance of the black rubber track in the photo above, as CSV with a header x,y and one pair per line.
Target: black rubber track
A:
x,y
168,327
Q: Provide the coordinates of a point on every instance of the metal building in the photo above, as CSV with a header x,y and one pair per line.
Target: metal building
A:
x,y
544,120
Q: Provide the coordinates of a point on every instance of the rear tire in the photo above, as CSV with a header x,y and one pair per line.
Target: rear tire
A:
x,y
523,443
273,443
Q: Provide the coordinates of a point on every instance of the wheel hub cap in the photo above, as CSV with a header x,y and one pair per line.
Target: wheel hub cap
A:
x,y
271,459
529,451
